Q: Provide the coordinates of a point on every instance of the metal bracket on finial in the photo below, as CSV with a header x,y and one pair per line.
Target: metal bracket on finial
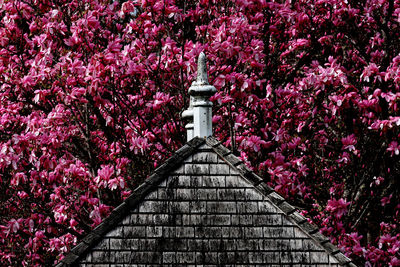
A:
x,y
188,115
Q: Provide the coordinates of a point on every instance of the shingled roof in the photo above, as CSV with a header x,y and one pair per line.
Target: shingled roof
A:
x,y
203,206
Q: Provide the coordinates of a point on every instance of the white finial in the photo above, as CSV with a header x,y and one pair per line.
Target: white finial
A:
x,y
199,113
200,91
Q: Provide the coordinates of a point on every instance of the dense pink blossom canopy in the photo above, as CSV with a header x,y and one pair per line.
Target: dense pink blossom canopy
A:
x,y
91,93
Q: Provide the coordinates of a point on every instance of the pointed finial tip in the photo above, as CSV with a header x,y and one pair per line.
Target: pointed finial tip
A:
x,y
202,57
202,69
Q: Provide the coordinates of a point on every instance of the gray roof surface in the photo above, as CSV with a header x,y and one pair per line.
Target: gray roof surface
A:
x,y
183,166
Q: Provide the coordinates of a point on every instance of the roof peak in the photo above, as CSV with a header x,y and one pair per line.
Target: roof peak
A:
x,y
195,145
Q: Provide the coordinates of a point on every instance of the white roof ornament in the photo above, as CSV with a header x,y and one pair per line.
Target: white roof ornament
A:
x,y
200,107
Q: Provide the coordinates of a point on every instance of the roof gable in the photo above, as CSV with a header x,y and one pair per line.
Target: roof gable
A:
x,y
204,206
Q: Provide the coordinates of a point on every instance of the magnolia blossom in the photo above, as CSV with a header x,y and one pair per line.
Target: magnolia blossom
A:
x,y
393,148
349,143
337,207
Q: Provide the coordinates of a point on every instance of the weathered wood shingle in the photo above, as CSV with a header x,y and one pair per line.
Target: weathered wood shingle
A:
x,y
205,207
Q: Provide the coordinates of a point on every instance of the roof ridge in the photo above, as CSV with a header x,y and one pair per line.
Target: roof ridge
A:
x,y
291,212
131,201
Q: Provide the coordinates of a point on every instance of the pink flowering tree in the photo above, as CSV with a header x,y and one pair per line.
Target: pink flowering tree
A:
x,y
91,93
